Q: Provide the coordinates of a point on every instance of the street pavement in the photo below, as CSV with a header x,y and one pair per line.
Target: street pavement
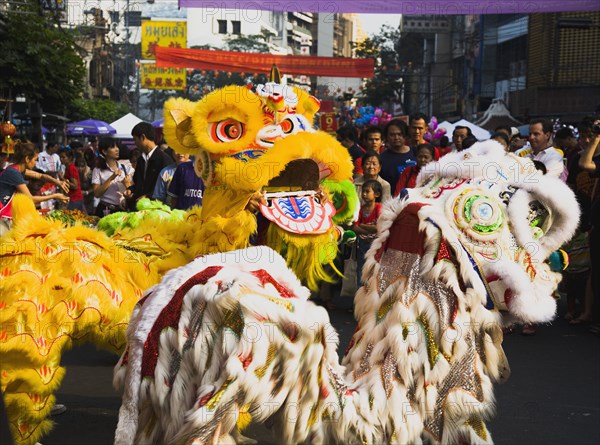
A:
x,y
552,396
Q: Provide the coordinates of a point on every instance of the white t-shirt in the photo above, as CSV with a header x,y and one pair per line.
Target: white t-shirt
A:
x,y
550,157
48,163
114,192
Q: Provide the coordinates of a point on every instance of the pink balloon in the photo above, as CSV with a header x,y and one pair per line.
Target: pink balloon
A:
x,y
433,123
374,121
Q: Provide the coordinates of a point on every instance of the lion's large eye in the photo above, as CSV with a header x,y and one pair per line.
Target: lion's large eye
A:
x,y
287,125
478,215
228,130
292,125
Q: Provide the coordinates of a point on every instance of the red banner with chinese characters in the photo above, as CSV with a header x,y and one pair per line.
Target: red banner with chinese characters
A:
x,y
253,62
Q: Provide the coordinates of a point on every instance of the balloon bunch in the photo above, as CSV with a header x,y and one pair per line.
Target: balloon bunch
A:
x,y
434,132
370,115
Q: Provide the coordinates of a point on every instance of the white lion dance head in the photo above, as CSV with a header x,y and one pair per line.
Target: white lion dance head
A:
x,y
503,219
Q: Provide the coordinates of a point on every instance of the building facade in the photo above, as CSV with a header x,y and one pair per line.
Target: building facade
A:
x,y
540,65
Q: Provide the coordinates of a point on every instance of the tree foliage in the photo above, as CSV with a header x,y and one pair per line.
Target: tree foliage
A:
x,y
102,109
395,56
255,43
39,59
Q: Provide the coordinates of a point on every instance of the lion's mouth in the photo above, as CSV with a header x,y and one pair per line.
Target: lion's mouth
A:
x,y
295,201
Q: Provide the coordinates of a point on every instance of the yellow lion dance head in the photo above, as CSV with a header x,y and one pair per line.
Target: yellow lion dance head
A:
x,y
262,141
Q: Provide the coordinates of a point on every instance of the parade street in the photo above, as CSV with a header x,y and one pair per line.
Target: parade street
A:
x,y
552,396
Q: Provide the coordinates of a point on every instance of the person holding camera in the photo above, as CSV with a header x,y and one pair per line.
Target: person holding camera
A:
x,y
110,179
590,161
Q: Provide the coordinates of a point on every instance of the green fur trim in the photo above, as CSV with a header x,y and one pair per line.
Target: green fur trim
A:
x,y
306,255
344,198
146,210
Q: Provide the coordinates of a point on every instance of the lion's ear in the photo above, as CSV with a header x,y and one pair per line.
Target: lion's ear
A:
x,y
178,125
307,105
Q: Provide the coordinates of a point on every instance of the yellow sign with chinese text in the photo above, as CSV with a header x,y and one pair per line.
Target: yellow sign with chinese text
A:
x,y
158,78
162,33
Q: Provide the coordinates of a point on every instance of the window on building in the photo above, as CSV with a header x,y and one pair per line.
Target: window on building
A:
x,y
222,26
237,27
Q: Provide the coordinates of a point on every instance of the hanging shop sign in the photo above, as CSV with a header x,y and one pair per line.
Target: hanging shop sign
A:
x,y
329,122
160,78
162,33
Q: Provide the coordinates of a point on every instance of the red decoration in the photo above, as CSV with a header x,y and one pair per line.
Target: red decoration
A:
x,y
8,129
238,62
329,122
169,317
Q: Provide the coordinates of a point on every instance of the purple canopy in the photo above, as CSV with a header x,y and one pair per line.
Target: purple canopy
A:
x,y
406,7
158,123
89,127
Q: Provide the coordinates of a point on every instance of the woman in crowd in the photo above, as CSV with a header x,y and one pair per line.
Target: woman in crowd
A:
x,y
110,179
371,166
12,181
85,176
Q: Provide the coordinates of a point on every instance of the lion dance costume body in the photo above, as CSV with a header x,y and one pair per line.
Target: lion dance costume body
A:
x,y
224,342
64,285
229,335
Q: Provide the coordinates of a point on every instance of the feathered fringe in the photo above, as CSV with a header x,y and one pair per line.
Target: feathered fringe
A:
x,y
60,286
307,255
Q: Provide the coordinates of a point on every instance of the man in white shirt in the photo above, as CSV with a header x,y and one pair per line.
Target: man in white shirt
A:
x,y
540,140
49,163
48,160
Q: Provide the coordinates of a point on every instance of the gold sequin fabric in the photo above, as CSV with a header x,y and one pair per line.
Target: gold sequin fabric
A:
x,y
463,376
396,265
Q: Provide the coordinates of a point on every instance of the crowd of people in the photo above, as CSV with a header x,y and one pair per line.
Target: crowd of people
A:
x,y
100,177
388,160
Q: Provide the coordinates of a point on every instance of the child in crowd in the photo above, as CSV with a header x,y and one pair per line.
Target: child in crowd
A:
x,y
502,138
67,158
408,178
366,225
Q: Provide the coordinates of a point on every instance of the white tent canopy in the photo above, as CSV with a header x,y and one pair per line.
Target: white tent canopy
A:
x,y
448,127
124,126
480,133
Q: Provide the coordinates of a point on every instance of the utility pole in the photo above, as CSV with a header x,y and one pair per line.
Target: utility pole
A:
x,y
101,65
